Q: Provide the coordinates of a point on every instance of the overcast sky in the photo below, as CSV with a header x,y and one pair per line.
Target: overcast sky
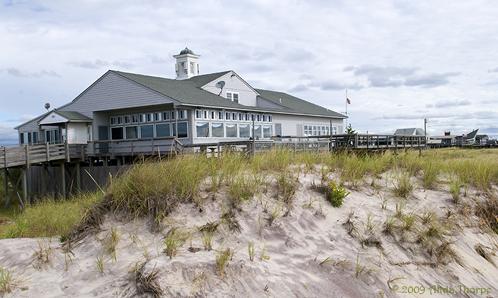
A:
x,y
401,61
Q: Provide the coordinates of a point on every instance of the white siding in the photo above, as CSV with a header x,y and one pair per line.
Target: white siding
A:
x,y
77,133
293,125
247,96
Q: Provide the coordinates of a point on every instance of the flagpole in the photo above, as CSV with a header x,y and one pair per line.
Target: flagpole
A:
x,y
346,102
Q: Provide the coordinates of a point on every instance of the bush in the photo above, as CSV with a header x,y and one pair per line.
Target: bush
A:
x,y
336,194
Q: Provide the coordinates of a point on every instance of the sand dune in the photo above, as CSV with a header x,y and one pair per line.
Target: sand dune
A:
x,y
308,251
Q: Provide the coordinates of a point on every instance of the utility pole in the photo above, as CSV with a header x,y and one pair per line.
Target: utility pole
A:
x,y
425,131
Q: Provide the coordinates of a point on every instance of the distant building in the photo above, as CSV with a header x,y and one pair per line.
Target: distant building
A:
x,y
409,132
482,140
467,139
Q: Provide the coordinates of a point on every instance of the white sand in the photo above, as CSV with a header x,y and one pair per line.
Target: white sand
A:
x,y
295,245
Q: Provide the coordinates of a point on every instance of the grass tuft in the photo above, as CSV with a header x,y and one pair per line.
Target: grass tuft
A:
x,y
403,186
6,281
174,239
222,259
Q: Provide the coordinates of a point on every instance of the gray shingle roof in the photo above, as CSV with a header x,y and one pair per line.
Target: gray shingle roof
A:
x,y
189,92
73,116
202,80
296,104
409,132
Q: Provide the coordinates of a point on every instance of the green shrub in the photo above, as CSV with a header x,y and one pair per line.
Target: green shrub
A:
x,y
336,194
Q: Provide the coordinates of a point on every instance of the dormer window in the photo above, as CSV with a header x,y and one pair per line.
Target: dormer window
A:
x,y
233,96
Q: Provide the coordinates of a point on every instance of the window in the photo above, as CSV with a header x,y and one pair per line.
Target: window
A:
x,y
217,130
192,67
246,116
21,138
163,130
334,130
114,121
278,129
142,118
146,131
120,119
257,132
198,114
241,117
166,116
234,116
244,130
231,130
182,129
265,118
253,117
270,118
258,117
220,115
227,114
202,129
131,132
266,131
127,119
233,96
205,113
35,137
182,114
116,133
213,114
157,117
150,116
134,118
173,114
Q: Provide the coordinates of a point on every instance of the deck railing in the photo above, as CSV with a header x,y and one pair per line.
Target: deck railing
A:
x,y
30,154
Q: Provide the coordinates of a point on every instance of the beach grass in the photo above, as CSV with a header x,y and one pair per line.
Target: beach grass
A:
x,y
156,188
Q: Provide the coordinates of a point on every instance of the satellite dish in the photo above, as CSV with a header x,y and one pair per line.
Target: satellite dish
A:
x,y
220,84
47,106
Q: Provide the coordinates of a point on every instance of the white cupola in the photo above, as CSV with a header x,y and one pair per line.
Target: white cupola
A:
x,y
187,64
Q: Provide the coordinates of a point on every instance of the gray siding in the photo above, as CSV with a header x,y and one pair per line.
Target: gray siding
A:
x,y
114,92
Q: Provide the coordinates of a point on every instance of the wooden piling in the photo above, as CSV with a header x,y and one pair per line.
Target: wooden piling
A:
x,y
63,180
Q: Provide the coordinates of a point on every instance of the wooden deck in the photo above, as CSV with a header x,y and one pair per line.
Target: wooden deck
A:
x,y
25,155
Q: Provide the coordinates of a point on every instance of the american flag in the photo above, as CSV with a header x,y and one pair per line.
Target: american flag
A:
x,y
348,101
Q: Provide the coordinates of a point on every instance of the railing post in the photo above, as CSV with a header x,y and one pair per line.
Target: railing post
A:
x,y
47,151
26,175
5,178
66,149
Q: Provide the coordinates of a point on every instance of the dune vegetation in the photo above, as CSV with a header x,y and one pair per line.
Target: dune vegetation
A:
x,y
377,200
156,188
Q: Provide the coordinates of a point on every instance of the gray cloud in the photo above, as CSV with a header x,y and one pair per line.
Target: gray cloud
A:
x,y
478,115
335,85
388,76
299,88
430,80
449,103
493,69
24,74
98,64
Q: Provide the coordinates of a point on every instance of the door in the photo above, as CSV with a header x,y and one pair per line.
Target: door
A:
x,y
103,146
